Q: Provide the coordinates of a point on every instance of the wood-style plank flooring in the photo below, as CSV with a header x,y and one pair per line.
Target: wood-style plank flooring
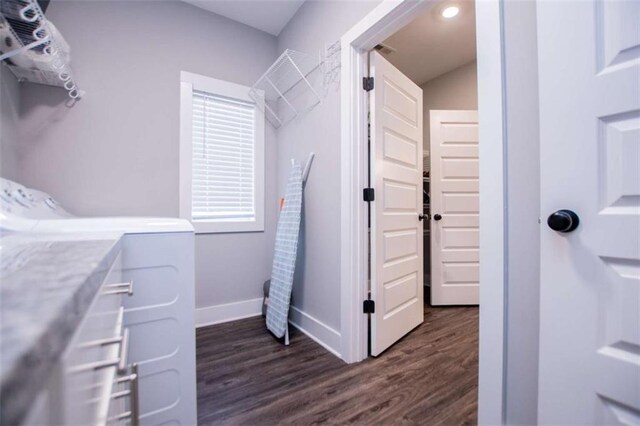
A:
x,y
246,377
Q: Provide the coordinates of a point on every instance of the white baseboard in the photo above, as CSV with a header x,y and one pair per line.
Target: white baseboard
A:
x,y
228,312
316,330
319,332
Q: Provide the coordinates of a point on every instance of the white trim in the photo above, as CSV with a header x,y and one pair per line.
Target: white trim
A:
x,y
219,87
493,192
316,330
227,312
384,20
189,81
379,24
186,99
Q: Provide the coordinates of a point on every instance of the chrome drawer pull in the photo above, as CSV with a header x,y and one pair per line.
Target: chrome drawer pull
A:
x,y
121,394
125,379
135,396
133,392
120,288
116,395
121,417
102,342
109,340
120,362
99,365
124,352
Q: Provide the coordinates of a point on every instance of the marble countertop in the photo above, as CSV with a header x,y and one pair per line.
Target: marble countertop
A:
x,y
47,283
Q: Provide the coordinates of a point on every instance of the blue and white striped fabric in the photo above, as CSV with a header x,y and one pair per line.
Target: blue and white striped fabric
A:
x,y
284,259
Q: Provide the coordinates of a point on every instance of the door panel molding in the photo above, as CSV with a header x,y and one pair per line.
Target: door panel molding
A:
x,y
396,231
455,196
590,277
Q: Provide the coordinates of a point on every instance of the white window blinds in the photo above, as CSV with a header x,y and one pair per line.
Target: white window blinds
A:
x,y
223,138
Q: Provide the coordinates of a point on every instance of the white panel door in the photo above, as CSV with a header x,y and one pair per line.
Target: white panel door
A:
x,y
589,70
396,231
455,248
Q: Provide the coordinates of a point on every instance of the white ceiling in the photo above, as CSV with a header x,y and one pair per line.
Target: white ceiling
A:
x,y
432,45
267,15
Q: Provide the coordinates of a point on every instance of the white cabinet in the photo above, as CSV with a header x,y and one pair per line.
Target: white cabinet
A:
x,y
93,384
86,387
88,367
160,316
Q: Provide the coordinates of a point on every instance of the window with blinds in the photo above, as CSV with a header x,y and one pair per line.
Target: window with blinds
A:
x,y
223,158
222,163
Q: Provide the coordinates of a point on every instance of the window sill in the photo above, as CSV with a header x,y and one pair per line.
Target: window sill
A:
x,y
221,227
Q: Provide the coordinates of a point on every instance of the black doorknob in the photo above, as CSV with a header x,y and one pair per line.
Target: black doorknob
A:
x,y
421,216
437,216
563,221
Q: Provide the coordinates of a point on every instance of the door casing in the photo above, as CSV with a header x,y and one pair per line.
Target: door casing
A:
x,y
379,24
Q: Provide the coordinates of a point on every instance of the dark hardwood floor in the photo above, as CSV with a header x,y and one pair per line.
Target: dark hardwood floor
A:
x,y
430,377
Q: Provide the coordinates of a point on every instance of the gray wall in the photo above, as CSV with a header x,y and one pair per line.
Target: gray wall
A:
x,y
523,209
9,121
116,151
316,289
457,89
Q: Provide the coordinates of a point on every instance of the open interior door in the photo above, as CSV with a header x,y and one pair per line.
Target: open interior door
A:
x,y
589,76
455,208
396,213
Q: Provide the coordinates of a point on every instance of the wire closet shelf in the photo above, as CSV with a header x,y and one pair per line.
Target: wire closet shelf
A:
x,y
32,47
285,91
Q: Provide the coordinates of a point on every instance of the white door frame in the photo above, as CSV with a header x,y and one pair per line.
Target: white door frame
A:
x,y
380,23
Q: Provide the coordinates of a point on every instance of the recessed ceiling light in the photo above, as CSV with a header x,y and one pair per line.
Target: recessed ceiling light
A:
x,y
450,12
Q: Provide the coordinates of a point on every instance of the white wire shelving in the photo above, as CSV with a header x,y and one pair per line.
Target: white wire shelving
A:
x,y
32,47
291,87
284,90
329,60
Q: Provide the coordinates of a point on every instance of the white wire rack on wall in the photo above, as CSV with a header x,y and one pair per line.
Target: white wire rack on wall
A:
x,y
33,48
290,88
330,63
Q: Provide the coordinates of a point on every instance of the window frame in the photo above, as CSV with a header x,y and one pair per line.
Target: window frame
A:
x,y
188,83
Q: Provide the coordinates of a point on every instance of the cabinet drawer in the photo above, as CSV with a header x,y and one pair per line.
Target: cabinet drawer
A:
x,y
92,360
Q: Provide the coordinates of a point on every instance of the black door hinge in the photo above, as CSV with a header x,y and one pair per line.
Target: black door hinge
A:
x,y
367,83
369,306
368,194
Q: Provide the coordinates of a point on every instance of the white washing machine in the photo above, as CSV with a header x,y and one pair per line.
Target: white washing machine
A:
x,y
158,256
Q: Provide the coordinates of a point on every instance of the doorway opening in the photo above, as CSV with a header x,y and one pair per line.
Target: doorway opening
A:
x,y
395,239
423,165
437,52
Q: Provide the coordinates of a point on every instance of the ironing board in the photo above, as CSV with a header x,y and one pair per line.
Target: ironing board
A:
x,y
284,259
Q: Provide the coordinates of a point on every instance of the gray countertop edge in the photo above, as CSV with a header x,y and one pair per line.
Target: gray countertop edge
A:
x,y
21,386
